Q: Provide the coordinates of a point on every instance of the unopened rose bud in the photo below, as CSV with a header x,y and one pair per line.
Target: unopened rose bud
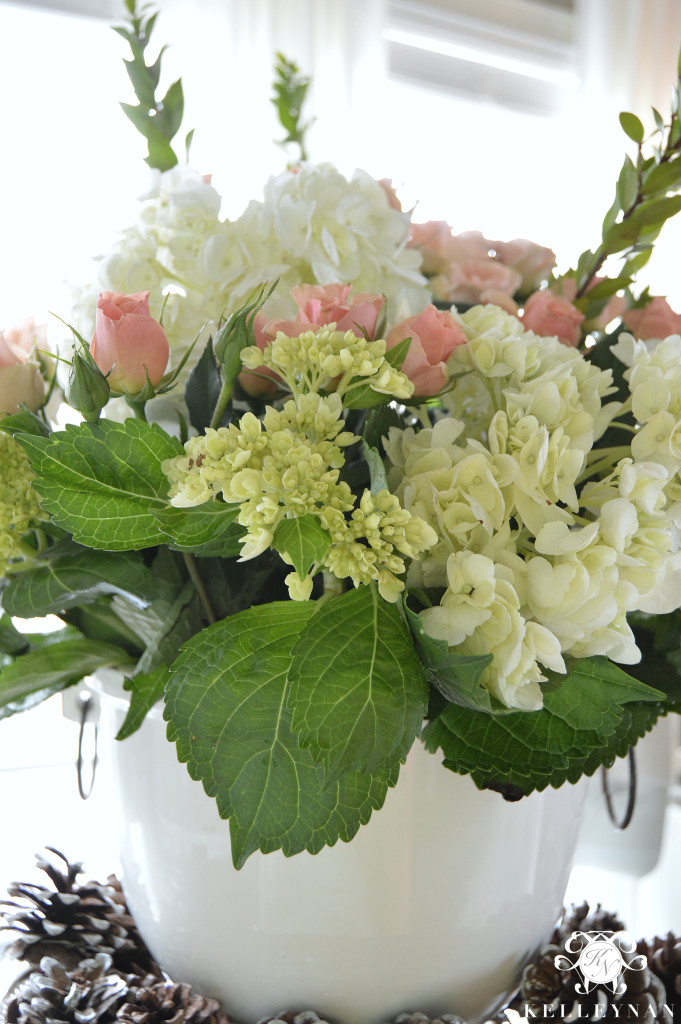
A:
x,y
128,344
87,390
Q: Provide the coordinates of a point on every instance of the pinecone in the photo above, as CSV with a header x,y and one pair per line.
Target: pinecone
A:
x,y
582,919
71,922
422,1018
546,991
90,994
664,958
304,1017
175,1004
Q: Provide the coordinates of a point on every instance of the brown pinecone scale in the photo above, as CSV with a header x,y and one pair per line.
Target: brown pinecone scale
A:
x,y
71,921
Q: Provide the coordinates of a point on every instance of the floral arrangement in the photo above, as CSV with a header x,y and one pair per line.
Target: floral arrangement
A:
x,y
374,513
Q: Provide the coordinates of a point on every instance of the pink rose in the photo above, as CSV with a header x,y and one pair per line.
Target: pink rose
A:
x,y
128,342
439,247
434,336
656,320
548,314
318,305
532,261
20,379
467,280
321,304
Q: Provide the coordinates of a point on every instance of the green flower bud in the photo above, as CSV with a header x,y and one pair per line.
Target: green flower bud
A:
x,y
87,390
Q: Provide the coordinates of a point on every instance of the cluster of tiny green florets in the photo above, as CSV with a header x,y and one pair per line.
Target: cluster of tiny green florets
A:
x,y
288,464
331,360
19,503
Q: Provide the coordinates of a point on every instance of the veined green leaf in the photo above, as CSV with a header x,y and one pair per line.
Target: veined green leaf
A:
x,y
208,530
590,719
226,708
304,540
102,481
358,695
68,575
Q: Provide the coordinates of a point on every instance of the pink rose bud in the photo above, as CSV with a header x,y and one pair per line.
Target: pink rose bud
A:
x,y
548,314
656,320
331,303
128,342
20,379
533,262
468,280
434,336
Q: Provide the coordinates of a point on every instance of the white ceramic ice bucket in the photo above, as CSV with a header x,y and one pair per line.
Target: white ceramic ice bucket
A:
x,y
434,906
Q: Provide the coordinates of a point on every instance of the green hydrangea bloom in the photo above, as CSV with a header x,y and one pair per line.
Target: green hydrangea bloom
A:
x,y
19,503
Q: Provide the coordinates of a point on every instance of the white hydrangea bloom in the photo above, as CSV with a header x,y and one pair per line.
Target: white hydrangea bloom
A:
x,y
501,479
480,614
312,227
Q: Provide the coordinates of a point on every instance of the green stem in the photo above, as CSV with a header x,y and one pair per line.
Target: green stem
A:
x,y
199,586
333,587
138,410
221,404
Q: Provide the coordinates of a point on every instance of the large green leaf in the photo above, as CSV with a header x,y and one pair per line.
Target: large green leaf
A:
x,y
358,694
45,670
69,575
596,714
209,530
102,481
226,705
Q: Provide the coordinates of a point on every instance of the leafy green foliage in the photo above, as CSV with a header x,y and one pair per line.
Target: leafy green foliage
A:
x,y
304,540
163,624
208,530
455,676
226,704
68,575
103,481
358,695
157,119
376,468
378,423
632,126
145,691
644,200
12,642
290,89
203,389
593,717
62,659
24,422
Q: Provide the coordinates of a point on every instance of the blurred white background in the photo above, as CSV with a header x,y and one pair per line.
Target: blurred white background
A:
x,y
499,116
